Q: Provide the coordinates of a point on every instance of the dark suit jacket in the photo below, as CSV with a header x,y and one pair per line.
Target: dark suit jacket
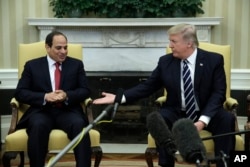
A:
x,y
209,82
35,82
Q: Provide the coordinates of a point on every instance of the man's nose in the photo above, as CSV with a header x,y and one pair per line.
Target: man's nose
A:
x,y
170,45
63,50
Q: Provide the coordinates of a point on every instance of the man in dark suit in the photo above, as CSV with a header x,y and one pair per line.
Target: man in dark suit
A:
x,y
52,107
209,85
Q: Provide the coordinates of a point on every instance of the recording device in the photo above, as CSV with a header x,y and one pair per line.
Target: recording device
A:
x,y
188,141
160,132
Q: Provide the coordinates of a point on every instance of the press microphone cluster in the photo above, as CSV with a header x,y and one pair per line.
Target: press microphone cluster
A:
x,y
184,138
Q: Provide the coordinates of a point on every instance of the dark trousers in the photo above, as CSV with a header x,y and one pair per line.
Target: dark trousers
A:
x,y
40,125
222,122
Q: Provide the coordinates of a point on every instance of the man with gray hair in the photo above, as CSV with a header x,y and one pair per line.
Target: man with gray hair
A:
x,y
188,73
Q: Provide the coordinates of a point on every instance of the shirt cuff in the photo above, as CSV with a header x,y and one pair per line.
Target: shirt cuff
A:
x,y
66,102
44,101
205,119
123,99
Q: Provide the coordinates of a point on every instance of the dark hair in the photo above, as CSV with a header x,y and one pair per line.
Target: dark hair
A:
x,y
50,36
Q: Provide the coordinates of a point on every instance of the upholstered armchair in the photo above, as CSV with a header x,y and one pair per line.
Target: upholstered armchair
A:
x,y
230,105
16,140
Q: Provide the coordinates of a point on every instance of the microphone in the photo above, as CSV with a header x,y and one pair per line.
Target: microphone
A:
x,y
188,141
118,100
159,130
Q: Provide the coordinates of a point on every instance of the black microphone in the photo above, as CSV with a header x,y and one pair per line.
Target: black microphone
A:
x,y
159,130
118,100
188,141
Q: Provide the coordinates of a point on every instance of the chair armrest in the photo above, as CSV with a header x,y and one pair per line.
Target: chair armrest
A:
x,y
88,109
14,116
160,100
14,102
88,102
231,104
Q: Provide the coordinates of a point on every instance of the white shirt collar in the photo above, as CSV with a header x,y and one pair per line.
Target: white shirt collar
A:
x,y
191,59
50,61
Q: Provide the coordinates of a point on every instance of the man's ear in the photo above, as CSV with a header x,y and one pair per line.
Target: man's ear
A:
x,y
47,47
189,43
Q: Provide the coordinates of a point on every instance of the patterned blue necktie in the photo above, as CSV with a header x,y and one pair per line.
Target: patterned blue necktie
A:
x,y
188,91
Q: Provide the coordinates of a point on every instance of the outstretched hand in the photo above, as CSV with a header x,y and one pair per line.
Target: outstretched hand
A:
x,y
108,98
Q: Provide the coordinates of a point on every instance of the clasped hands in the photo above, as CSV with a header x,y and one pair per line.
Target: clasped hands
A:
x,y
56,96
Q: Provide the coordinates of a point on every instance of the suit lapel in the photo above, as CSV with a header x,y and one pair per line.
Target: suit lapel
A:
x,y
177,76
199,67
65,69
45,70
177,72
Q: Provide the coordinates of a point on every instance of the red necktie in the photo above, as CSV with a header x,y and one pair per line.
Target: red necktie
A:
x,y
57,76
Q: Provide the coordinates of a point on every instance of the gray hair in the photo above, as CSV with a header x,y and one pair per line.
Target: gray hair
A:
x,y
187,31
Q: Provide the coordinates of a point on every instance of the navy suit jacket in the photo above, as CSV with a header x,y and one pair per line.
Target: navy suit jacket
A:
x,y
209,82
35,82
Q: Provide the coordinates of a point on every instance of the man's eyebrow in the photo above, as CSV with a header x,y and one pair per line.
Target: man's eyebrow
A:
x,y
59,46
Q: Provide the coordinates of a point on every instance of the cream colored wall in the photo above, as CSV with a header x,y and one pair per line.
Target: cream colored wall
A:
x,y
234,29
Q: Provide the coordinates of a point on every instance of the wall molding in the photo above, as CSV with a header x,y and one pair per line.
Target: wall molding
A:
x,y
8,78
240,79
143,40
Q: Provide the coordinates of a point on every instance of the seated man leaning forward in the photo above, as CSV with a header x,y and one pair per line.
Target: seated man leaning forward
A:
x,y
207,87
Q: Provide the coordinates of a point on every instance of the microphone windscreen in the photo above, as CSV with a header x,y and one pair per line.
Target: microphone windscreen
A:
x,y
159,130
188,141
118,97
